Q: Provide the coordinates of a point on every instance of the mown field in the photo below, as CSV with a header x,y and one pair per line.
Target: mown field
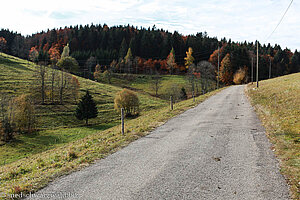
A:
x,y
277,102
62,143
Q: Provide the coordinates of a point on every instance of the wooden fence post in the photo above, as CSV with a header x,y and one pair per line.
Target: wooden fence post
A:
x,y
171,102
122,120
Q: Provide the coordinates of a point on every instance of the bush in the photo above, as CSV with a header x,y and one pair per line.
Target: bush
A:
x,y
107,76
240,76
128,100
183,94
6,131
23,112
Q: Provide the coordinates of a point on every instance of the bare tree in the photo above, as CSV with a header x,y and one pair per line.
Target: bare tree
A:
x,y
207,73
39,83
156,82
53,79
90,63
65,79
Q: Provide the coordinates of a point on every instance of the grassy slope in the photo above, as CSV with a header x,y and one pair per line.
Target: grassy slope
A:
x,y
33,173
277,102
144,83
34,160
57,123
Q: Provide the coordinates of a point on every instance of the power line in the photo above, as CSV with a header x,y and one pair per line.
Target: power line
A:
x,y
280,20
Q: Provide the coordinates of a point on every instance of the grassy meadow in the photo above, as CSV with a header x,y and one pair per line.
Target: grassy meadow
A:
x,y
168,83
277,102
57,124
62,143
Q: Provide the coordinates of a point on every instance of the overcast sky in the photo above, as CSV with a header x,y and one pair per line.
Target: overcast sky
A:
x,y
236,19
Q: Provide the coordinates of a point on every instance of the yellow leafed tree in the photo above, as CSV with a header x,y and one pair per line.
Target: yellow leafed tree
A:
x,y
189,59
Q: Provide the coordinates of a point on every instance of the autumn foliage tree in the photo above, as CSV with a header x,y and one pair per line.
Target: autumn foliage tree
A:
x,y
97,73
128,100
226,70
23,112
128,60
189,59
3,43
240,76
54,53
171,64
33,54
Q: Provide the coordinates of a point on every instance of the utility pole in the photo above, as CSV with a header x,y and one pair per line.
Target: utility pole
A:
x,y
257,66
252,70
270,69
218,67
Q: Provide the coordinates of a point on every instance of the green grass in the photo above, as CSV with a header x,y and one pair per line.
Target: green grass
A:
x,y
277,102
145,83
57,124
32,173
62,143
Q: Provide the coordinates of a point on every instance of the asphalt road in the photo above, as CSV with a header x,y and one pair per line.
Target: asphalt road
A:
x,y
217,150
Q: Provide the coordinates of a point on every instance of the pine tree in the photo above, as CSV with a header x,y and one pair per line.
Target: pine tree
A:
x,y
123,49
86,108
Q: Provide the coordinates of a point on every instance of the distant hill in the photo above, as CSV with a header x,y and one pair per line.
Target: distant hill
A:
x,y
153,45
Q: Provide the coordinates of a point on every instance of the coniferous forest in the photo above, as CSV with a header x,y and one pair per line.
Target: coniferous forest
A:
x,y
128,49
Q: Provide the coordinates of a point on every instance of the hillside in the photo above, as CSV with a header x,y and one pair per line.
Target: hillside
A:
x,y
62,143
277,102
56,123
150,48
168,84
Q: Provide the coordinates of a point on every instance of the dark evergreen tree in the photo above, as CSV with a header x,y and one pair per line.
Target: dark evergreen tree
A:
x,y
123,49
86,108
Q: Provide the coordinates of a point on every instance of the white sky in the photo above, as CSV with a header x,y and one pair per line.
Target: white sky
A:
x,y
236,19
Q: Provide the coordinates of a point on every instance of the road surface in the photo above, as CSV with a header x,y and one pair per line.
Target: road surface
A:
x,y
217,150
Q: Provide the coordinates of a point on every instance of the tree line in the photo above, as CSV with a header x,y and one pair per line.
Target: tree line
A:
x,y
129,49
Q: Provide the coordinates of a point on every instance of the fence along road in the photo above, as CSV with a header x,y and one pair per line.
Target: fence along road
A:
x,y
217,150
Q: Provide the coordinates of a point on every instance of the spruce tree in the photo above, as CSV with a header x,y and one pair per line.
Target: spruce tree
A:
x,y
86,108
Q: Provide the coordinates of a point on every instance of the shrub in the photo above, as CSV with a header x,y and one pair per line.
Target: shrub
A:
x,y
183,94
240,76
23,112
6,130
128,100
107,76
71,155
97,73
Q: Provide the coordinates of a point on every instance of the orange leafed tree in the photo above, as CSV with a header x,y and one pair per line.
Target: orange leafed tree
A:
x,y
33,54
240,76
2,43
97,73
171,64
226,74
54,53
213,58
